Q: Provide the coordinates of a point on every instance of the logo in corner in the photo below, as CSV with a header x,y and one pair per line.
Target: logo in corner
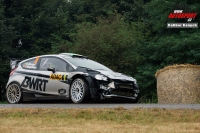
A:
x,y
187,16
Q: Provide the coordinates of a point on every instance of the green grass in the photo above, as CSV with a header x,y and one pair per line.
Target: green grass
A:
x,y
3,102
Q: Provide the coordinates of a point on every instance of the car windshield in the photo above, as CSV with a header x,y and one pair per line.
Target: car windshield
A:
x,y
82,62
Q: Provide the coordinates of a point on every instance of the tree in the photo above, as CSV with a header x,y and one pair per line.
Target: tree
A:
x,y
7,34
39,23
112,42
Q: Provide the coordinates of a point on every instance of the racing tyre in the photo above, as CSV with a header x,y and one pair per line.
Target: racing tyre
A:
x,y
79,91
13,93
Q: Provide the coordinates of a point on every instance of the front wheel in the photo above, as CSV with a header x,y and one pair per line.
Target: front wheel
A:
x,y
13,93
79,91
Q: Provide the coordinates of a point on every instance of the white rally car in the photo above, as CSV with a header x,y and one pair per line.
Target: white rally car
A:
x,y
66,76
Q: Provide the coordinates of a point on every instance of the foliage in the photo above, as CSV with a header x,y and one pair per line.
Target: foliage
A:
x,y
39,23
111,41
7,34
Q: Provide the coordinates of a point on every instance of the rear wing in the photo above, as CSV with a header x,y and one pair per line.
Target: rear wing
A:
x,y
14,63
74,55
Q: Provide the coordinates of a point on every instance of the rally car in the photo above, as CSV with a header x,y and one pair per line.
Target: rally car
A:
x,y
66,76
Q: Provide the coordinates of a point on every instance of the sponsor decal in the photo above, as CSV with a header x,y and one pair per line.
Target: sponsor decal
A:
x,y
34,83
62,91
58,77
29,65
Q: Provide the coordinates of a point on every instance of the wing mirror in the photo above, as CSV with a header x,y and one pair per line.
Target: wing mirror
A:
x,y
51,69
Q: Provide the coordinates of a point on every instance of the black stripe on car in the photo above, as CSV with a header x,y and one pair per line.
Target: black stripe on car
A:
x,y
34,74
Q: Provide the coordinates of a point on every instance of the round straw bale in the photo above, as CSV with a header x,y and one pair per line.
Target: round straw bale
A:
x,y
178,84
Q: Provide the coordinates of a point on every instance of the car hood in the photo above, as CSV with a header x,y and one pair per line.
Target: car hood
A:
x,y
116,75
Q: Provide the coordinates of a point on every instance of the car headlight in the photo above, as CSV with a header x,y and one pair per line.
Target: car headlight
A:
x,y
135,81
101,77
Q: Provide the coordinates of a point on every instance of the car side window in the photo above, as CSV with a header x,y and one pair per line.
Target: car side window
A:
x,y
30,64
48,62
69,68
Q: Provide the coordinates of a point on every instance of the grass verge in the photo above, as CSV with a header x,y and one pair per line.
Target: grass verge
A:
x,y
118,120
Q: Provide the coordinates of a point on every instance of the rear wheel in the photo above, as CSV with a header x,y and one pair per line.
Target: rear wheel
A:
x,y
13,93
79,91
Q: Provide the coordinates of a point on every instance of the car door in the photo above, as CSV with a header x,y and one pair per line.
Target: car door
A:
x,y
56,80
28,75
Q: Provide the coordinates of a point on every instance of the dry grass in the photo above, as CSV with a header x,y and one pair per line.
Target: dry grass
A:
x,y
117,120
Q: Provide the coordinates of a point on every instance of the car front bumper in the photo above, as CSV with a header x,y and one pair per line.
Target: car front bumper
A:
x,y
121,89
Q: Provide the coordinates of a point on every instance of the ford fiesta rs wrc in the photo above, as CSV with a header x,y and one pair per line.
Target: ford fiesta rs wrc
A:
x,y
66,76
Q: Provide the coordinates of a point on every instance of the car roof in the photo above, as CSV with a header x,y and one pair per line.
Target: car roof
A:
x,y
64,56
61,55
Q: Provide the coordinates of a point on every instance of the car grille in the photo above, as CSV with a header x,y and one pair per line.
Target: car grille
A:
x,y
122,92
125,86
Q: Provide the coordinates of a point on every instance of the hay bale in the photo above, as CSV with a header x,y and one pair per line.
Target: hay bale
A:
x,y
178,84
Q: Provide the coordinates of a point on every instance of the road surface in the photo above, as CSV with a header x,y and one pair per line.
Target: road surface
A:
x,y
101,105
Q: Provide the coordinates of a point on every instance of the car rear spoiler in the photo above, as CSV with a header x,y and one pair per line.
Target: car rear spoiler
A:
x,y
14,63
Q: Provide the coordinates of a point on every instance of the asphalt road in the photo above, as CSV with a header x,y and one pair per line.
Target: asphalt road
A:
x,y
67,105
126,106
